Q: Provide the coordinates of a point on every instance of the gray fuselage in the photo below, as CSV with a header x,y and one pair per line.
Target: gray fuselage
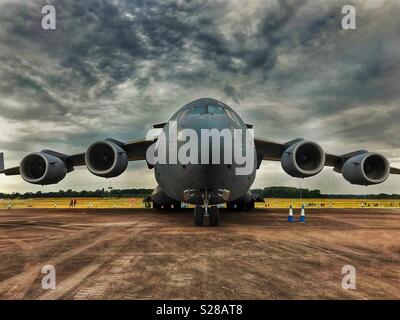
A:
x,y
176,180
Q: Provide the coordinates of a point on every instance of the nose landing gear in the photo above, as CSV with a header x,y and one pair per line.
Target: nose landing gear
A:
x,y
212,212
200,214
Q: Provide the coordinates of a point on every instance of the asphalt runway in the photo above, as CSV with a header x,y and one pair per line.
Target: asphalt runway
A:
x,y
146,254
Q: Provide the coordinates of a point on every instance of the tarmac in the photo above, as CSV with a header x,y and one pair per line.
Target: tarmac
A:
x,y
148,254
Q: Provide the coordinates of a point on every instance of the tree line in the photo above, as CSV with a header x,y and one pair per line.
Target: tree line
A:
x,y
290,192
100,193
267,192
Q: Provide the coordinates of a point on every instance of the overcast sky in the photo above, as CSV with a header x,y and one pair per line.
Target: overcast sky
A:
x,y
113,68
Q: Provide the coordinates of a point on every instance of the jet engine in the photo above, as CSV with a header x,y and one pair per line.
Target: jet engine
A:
x,y
303,159
366,169
106,159
42,168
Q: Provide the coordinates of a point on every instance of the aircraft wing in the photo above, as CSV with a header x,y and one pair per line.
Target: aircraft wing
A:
x,y
269,150
394,170
8,172
273,151
135,149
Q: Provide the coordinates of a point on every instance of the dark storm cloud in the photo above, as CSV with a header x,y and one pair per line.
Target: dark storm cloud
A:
x,y
113,68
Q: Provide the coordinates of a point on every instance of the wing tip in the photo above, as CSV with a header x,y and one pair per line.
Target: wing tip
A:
x,y
1,162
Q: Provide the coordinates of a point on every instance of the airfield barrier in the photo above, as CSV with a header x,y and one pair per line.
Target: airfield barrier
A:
x,y
91,203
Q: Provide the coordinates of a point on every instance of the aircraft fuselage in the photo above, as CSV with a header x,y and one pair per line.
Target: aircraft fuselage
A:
x,y
190,182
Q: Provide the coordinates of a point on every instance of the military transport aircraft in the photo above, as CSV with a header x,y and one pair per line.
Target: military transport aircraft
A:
x,y
206,185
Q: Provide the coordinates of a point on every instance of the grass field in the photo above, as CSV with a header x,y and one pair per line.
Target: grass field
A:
x,y
332,203
138,203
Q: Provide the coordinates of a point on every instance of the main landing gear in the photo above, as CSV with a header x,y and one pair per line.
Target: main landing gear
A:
x,y
211,212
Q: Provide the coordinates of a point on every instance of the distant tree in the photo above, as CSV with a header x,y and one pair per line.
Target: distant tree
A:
x,y
267,192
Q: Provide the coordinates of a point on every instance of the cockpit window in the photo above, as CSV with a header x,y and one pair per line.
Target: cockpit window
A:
x,y
198,110
207,109
213,109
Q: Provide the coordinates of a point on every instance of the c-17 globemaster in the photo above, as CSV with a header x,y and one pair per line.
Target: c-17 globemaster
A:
x,y
206,184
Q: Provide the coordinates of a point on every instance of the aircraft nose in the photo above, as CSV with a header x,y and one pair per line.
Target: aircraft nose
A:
x,y
207,121
204,176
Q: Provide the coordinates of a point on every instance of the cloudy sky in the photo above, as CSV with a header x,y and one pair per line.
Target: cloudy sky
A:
x,y
113,68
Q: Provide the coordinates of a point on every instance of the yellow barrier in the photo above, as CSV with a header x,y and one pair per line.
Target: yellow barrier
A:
x,y
138,203
330,203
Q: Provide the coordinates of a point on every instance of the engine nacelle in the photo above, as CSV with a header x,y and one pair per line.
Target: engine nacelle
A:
x,y
303,159
366,169
106,159
42,168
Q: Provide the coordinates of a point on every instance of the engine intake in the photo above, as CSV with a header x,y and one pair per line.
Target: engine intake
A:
x,y
42,168
366,169
303,159
106,159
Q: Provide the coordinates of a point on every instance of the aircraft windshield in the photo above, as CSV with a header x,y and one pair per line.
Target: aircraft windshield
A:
x,y
207,109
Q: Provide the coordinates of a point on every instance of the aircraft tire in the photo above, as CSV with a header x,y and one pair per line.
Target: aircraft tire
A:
x,y
198,216
157,206
252,204
177,205
214,216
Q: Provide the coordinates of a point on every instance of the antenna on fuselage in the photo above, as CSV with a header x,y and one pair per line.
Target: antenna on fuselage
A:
x,y
110,188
